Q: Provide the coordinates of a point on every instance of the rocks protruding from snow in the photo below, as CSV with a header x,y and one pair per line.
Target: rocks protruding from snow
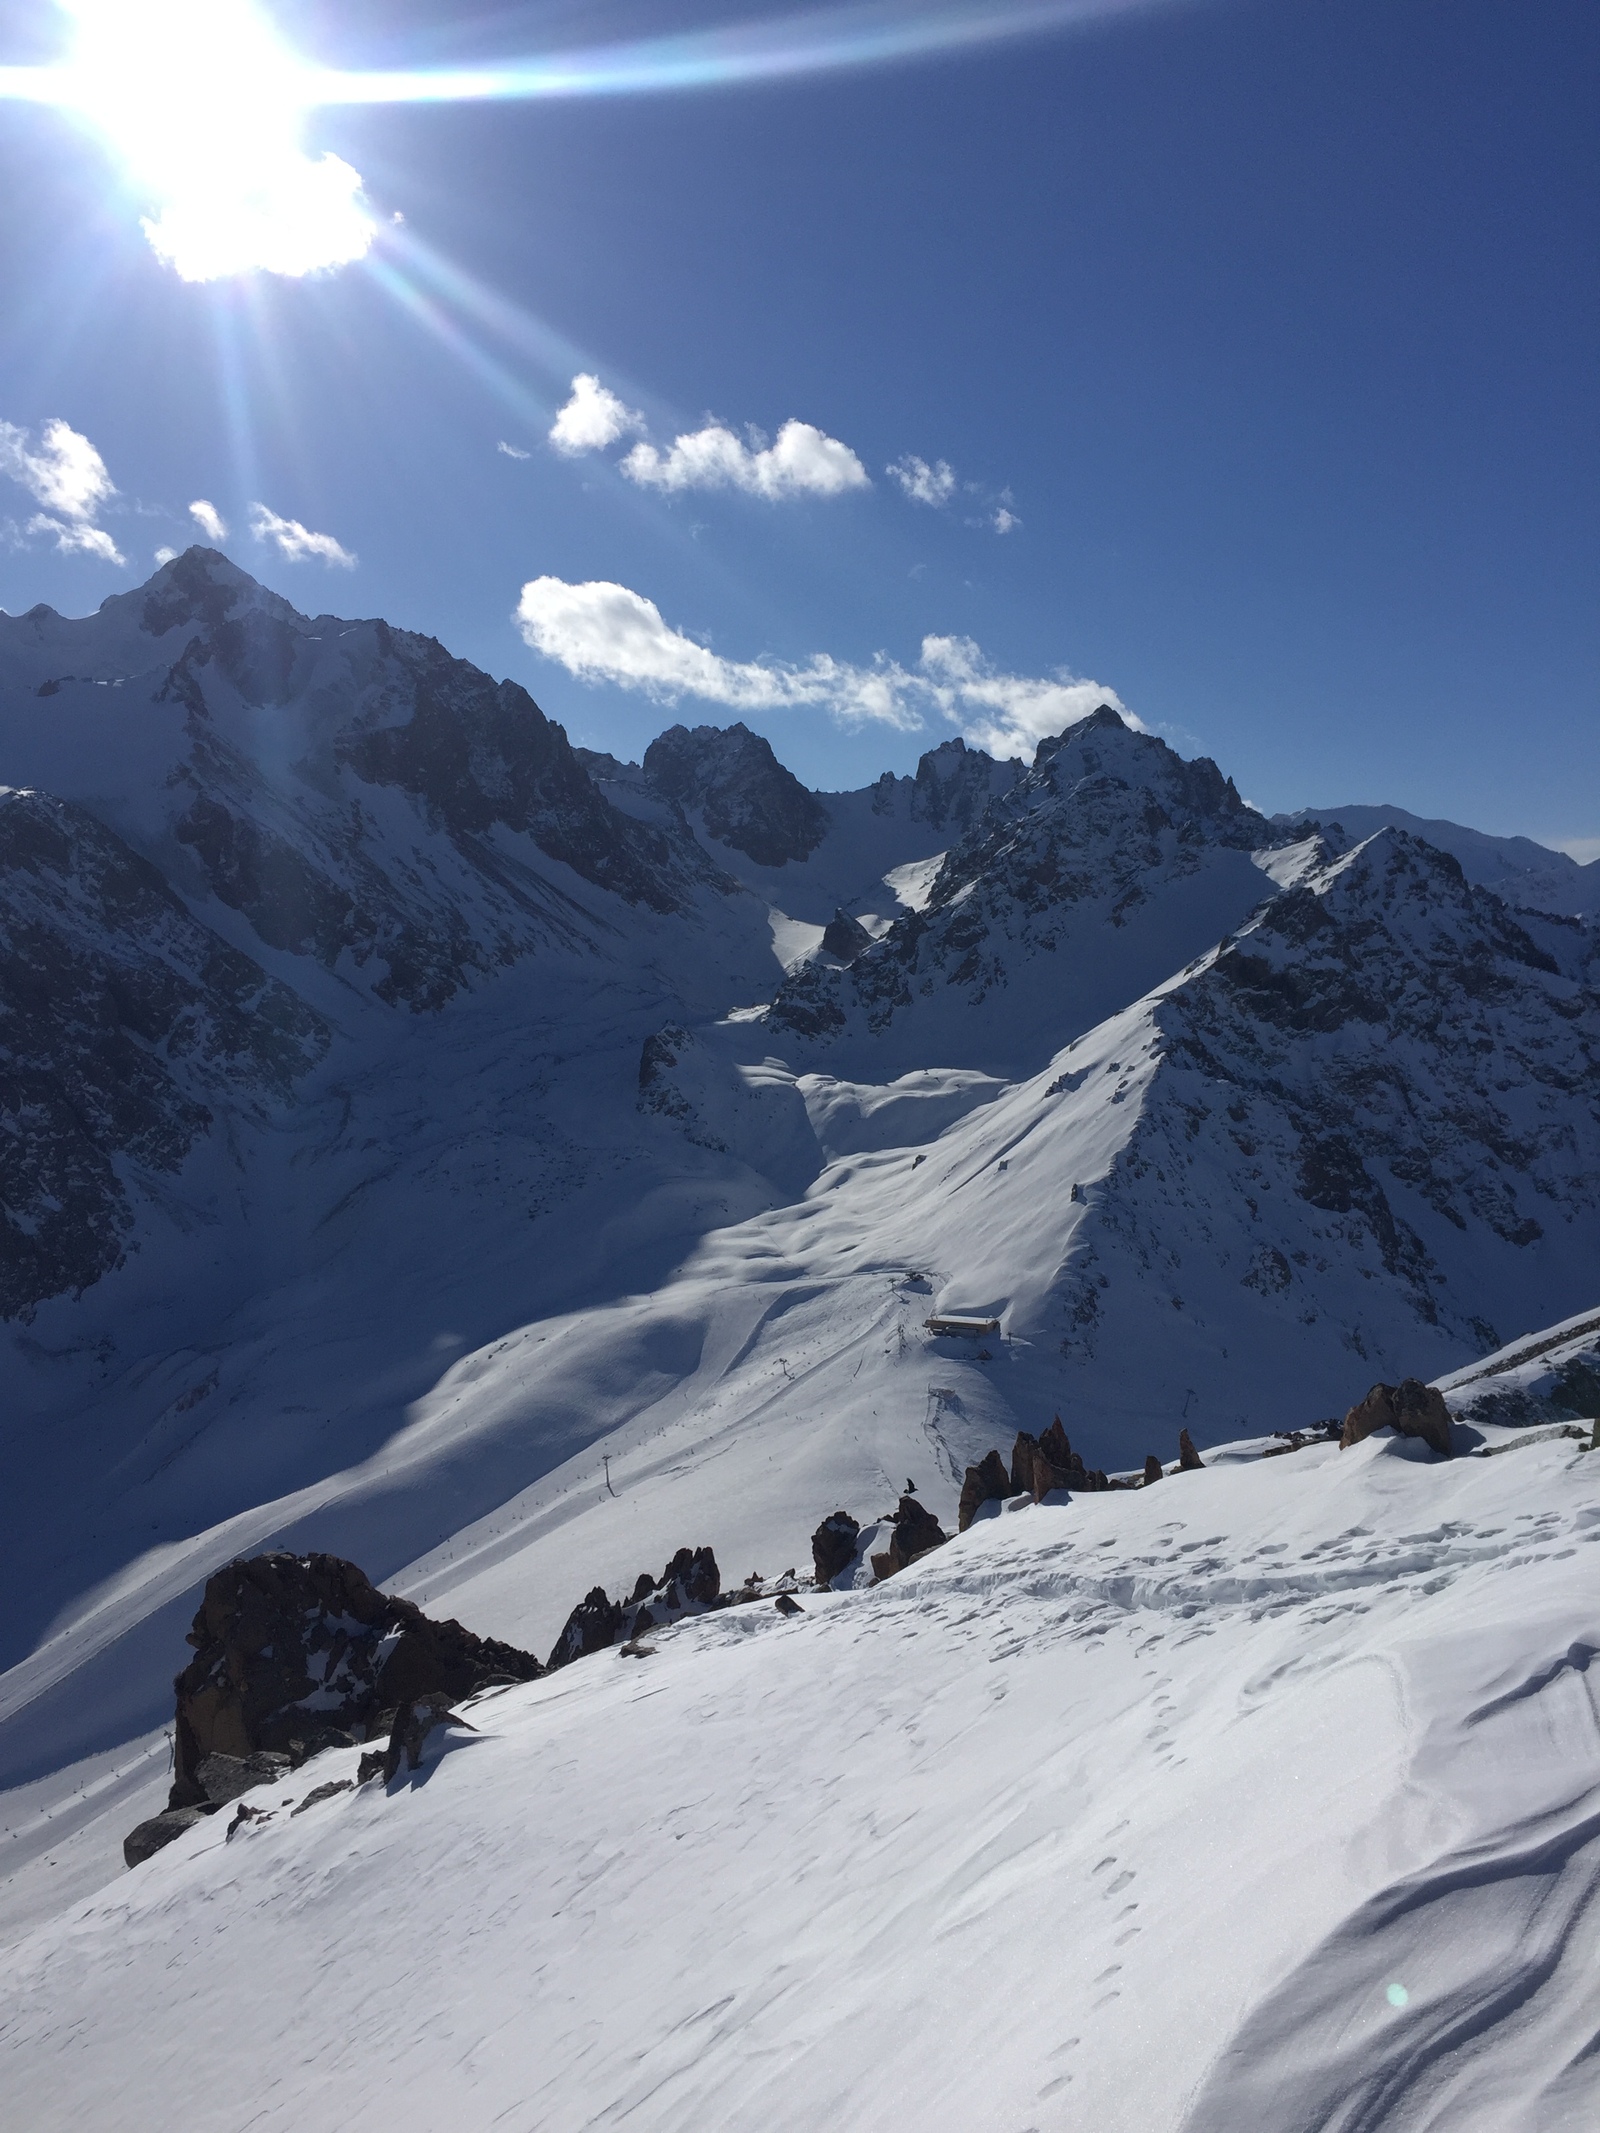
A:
x,y
1022,1463
1188,1458
413,1722
833,1546
987,1482
845,937
290,1647
124,1024
1055,1464
744,795
161,1830
226,1777
1410,1409
916,1531
1153,1469
691,1584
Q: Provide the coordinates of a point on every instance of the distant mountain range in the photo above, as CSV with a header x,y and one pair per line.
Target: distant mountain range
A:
x,y
403,1111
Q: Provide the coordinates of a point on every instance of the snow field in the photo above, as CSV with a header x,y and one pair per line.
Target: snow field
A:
x,y
1268,1798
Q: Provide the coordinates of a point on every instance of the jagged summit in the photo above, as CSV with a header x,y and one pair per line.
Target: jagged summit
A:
x,y
746,797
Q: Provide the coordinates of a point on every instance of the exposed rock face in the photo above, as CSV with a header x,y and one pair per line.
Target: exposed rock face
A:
x,y
845,937
122,1023
916,1531
1410,1409
1055,1464
955,783
1188,1458
227,1777
746,798
413,1722
988,1482
300,1648
1153,1469
691,1584
1103,819
833,1545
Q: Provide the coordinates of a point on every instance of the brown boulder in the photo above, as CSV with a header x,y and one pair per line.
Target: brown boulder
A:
x,y
988,1482
1410,1409
1153,1469
1188,1458
292,1651
1055,1464
916,1531
833,1546
149,1838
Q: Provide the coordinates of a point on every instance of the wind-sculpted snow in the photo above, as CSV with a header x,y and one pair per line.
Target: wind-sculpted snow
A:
x,y
1267,1798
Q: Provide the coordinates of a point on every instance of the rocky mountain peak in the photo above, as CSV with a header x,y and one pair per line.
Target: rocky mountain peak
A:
x,y
745,796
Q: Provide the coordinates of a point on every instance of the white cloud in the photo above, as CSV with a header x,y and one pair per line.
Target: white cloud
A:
x,y
209,519
1005,520
593,418
67,475
295,543
607,633
165,555
513,451
803,461
923,484
1009,714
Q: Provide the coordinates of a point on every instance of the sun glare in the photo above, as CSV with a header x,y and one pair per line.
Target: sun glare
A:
x,y
205,107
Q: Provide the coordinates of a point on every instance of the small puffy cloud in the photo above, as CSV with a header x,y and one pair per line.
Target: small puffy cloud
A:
x,y
1005,520
295,543
801,461
603,632
922,484
592,419
513,451
1009,714
209,519
165,555
66,474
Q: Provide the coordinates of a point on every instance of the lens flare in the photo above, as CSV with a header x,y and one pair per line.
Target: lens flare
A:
x,y
204,108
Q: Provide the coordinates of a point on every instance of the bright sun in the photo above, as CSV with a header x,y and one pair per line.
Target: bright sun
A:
x,y
205,108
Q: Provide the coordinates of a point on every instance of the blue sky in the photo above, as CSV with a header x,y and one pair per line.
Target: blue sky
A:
x,y
1266,330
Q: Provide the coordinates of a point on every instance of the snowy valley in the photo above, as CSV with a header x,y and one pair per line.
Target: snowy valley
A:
x,y
501,1166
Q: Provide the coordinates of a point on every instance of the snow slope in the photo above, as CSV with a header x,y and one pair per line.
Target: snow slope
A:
x,y
1525,873
1268,1800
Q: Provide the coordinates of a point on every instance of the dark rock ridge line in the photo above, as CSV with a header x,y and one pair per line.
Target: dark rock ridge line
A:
x,y
691,1584
123,1020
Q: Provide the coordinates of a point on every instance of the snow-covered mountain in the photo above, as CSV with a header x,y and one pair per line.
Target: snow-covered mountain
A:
x,y
503,1165
1517,869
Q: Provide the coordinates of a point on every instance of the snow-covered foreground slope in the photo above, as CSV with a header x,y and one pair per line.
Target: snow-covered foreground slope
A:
x,y
1268,1799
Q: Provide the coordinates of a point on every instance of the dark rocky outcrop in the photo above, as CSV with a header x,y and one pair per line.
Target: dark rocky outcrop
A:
x,y
1410,1409
1022,1463
123,1024
151,1837
833,1545
845,937
413,1722
294,1652
988,1482
690,1584
1188,1458
746,798
916,1531
1153,1469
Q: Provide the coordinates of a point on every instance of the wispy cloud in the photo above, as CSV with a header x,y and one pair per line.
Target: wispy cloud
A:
x,y
1005,520
295,543
592,419
209,519
923,484
67,475
512,451
801,461
602,632
165,555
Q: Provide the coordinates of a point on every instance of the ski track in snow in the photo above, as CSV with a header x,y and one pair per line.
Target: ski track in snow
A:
x,y
1116,1814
